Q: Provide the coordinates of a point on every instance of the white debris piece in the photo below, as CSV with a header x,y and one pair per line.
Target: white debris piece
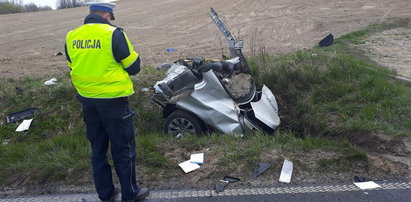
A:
x,y
145,89
286,171
6,142
25,125
234,60
179,135
367,185
187,166
197,158
50,82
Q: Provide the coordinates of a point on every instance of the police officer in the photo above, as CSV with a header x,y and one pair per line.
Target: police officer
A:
x,y
101,59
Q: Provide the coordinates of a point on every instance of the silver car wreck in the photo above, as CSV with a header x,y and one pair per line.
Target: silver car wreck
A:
x,y
198,96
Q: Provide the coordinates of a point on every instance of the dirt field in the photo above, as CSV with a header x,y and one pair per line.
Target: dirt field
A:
x,y
29,42
391,48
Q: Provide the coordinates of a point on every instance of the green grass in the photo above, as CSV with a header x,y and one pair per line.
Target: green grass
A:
x,y
321,92
335,89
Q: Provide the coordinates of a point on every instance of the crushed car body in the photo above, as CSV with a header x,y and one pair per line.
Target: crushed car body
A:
x,y
198,96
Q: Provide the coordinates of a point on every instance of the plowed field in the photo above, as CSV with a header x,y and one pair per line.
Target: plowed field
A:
x,y
29,42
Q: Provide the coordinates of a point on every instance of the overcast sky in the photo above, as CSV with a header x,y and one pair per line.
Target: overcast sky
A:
x,y
51,3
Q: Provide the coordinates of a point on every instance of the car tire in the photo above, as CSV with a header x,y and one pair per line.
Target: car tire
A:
x,y
180,122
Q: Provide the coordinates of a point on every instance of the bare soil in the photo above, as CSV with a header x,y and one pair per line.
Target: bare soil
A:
x,y
29,44
391,48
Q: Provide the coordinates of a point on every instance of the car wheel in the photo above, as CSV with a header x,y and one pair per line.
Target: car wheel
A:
x,y
180,122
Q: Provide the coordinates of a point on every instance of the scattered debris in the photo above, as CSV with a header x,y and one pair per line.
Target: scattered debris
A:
x,y
25,125
145,89
52,81
220,187
187,166
197,158
164,66
400,78
367,185
364,183
17,116
327,41
286,171
6,141
226,180
19,90
360,179
231,179
179,135
59,53
261,168
194,163
171,50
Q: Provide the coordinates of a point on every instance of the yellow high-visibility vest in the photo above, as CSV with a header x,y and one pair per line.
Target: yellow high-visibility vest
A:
x,y
94,71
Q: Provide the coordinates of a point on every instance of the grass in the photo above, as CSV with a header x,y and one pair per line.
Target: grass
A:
x,y
335,89
321,92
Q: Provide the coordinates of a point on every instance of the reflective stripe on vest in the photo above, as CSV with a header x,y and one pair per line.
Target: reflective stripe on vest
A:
x,y
94,71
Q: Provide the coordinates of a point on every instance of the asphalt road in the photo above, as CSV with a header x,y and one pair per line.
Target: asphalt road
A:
x,y
397,195
389,191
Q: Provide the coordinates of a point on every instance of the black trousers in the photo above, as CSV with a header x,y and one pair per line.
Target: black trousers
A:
x,y
110,121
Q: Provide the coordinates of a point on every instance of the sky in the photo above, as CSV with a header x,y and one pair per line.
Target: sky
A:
x,y
51,3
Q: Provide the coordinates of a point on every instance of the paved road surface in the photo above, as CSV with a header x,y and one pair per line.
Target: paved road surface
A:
x,y
389,191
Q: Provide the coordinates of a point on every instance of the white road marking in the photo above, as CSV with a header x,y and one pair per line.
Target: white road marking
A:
x,y
207,193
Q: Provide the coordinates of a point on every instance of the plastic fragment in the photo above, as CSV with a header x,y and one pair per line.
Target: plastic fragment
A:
x,y
17,116
230,179
52,81
187,166
360,179
327,41
261,168
286,171
219,187
25,125
367,185
197,158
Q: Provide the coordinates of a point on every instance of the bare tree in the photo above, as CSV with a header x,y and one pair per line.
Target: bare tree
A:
x,y
70,3
31,7
45,8
16,6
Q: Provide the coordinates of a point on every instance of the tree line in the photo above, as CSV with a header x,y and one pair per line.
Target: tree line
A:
x,y
17,6
61,4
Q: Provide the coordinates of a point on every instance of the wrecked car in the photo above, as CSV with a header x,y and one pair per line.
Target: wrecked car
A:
x,y
197,95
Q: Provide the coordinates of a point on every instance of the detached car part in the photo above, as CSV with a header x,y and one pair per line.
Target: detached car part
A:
x,y
261,168
17,116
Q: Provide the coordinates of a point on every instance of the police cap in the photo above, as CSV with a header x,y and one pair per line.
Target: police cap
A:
x,y
102,6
